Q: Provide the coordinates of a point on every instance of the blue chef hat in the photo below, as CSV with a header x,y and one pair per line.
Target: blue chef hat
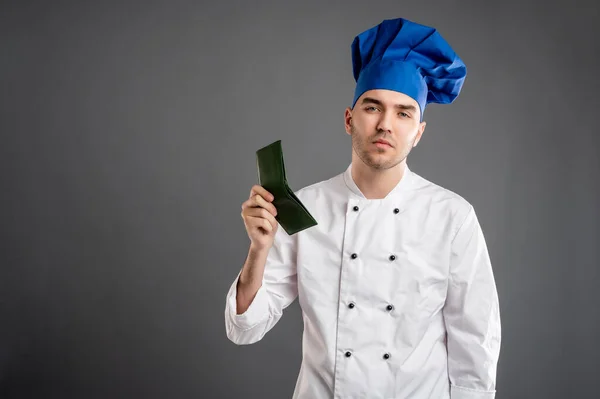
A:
x,y
407,57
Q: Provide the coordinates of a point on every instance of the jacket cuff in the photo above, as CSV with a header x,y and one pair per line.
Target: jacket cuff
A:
x,y
457,392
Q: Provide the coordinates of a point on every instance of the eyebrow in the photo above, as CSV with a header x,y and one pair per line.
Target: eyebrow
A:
x,y
407,107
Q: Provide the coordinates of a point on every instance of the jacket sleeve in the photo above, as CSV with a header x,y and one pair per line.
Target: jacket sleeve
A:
x,y
278,290
472,315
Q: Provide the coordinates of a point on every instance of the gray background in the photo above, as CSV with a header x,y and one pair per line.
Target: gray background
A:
x,y
127,149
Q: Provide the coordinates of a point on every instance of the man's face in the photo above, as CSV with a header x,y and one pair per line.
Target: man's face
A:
x,y
384,115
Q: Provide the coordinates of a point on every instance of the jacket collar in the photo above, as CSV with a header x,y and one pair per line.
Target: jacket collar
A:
x,y
403,185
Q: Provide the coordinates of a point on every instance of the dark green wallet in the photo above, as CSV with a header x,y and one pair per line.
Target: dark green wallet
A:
x,y
292,215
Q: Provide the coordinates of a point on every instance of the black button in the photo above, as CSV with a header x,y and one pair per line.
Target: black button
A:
x,y
353,256
386,356
396,210
389,307
348,354
355,208
392,257
351,305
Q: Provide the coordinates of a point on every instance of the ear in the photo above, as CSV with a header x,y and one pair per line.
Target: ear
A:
x,y
348,120
419,133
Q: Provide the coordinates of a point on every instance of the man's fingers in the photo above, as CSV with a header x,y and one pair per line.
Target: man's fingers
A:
x,y
260,213
260,190
267,225
257,221
257,201
260,201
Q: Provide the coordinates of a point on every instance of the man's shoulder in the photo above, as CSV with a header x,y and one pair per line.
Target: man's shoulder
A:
x,y
329,184
438,193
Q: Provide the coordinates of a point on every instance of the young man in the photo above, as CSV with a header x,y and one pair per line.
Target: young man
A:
x,y
395,282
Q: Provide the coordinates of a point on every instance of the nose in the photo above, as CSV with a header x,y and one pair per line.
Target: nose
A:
x,y
385,122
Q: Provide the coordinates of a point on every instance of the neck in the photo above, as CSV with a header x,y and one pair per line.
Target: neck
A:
x,y
376,183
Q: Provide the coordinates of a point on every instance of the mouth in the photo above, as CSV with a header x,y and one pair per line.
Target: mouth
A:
x,y
382,144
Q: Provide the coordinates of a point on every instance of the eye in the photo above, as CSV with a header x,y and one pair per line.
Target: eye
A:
x,y
404,115
371,108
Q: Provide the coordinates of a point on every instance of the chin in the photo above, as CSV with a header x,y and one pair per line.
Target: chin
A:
x,y
379,163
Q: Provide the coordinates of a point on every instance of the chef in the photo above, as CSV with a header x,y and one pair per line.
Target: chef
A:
x,y
395,282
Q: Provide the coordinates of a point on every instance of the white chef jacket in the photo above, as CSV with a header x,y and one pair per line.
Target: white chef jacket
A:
x,y
397,294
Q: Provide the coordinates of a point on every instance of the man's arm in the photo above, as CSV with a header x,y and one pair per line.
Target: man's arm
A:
x,y
250,278
258,295
472,315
